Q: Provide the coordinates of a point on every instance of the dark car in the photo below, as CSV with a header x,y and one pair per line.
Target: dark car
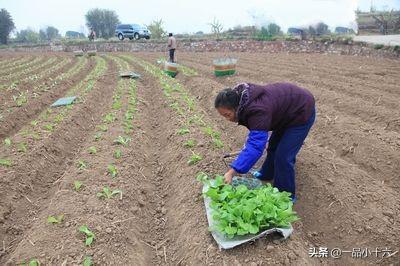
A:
x,y
132,31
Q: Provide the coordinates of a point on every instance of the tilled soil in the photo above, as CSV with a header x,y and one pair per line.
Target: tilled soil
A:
x,y
347,172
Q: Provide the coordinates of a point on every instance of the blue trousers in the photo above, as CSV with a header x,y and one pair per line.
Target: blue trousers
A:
x,y
282,150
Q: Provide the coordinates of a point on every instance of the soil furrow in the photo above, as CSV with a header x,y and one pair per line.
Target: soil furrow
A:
x,y
46,165
17,119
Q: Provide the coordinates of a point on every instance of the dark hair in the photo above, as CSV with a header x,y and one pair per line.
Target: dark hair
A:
x,y
170,34
227,98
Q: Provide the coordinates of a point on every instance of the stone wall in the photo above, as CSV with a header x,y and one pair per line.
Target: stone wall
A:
x,y
356,49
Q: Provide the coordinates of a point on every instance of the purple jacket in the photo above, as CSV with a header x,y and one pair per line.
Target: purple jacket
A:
x,y
274,106
268,108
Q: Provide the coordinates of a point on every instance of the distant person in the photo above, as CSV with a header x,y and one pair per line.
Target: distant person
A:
x,y
284,108
92,35
171,47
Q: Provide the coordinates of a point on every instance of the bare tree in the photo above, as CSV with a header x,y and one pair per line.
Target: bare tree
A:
x,y
216,28
387,20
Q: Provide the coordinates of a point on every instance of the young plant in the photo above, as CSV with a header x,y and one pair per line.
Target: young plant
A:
x,y
183,131
55,219
112,170
5,162
32,262
21,147
117,105
21,99
195,158
218,143
58,118
196,119
77,185
7,142
34,122
107,193
82,165
97,137
88,261
89,235
122,140
128,116
92,150
109,118
49,127
117,154
189,143
103,128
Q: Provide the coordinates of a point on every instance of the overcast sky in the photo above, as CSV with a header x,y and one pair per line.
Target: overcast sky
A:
x,y
190,15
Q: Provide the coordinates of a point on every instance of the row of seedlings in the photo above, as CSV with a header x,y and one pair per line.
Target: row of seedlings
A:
x,y
23,73
49,83
111,132
184,105
48,120
12,63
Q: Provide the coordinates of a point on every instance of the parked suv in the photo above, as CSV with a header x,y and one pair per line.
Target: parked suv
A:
x,y
132,31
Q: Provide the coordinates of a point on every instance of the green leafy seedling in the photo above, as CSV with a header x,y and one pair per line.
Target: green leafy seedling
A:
x,y
82,164
97,137
22,147
108,193
109,118
202,177
32,262
58,118
128,116
34,123
122,140
49,127
183,131
55,219
35,136
112,170
189,143
117,154
103,128
7,142
5,162
92,150
89,235
117,105
218,143
208,130
77,185
195,158
87,261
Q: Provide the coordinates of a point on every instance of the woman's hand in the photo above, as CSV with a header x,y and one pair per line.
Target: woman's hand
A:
x,y
229,175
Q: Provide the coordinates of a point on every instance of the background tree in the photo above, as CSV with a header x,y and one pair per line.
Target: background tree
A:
x,y
274,29
6,26
49,33
42,35
216,28
27,36
311,31
74,34
157,29
322,29
103,22
52,33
